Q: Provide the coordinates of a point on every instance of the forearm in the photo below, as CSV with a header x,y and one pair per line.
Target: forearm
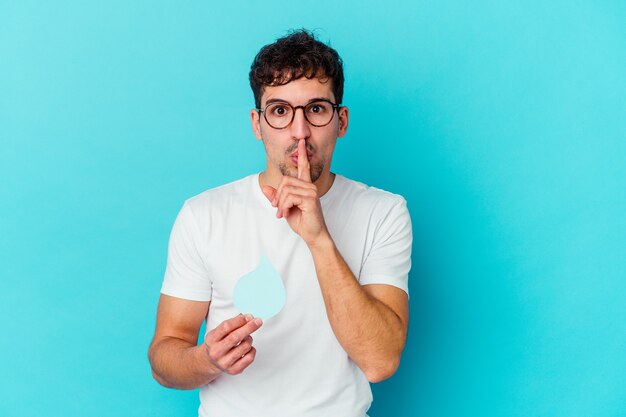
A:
x,y
370,332
177,363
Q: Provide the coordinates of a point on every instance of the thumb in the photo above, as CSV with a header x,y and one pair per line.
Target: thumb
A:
x,y
269,192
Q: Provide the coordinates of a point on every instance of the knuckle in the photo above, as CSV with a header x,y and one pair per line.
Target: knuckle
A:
x,y
233,339
241,349
213,356
225,327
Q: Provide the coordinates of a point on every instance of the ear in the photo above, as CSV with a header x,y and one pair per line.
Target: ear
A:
x,y
255,119
344,114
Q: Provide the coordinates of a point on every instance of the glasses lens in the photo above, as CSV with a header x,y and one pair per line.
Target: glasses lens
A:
x,y
319,113
278,115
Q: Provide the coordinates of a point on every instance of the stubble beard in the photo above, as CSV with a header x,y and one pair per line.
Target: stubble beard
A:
x,y
316,170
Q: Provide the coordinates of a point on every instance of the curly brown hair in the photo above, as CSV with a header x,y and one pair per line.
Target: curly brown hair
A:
x,y
296,55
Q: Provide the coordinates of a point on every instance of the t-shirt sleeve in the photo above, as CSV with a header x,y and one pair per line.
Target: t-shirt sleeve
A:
x,y
389,259
186,275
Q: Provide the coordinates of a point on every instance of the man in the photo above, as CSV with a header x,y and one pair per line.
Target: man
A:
x,y
342,250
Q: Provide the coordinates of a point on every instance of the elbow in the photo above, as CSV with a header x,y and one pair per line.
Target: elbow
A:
x,y
379,373
151,360
157,378
160,380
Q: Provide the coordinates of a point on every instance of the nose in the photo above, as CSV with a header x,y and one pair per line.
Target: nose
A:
x,y
300,128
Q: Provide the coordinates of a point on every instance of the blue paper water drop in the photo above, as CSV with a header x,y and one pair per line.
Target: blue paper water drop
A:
x,y
260,292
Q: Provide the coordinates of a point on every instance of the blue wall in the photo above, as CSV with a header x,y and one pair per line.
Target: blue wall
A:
x,y
501,122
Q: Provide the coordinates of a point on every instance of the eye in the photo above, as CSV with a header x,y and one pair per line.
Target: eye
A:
x,y
318,107
279,110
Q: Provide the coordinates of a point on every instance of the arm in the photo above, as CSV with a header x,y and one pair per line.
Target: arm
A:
x,y
370,322
176,358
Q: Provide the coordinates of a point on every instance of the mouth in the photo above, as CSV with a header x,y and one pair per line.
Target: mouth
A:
x,y
294,157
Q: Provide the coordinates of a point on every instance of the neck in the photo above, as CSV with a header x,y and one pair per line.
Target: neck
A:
x,y
323,183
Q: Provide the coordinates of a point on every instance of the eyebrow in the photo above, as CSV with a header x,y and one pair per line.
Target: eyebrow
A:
x,y
280,100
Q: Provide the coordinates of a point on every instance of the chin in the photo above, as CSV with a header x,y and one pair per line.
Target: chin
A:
x,y
288,171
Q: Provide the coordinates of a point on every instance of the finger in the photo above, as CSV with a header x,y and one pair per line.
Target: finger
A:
x,y
269,192
243,362
291,197
279,191
236,353
290,202
228,326
218,349
235,337
305,192
304,170
291,185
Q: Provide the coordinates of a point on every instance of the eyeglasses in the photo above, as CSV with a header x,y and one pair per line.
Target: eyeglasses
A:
x,y
279,115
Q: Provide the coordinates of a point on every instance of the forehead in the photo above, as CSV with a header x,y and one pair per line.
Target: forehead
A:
x,y
299,91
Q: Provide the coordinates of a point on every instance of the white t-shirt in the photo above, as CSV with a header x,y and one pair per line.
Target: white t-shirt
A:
x,y
300,369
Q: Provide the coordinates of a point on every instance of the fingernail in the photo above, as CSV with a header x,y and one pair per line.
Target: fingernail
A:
x,y
249,317
258,321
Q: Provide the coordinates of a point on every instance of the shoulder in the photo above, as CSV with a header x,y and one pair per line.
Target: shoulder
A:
x,y
363,195
223,195
216,203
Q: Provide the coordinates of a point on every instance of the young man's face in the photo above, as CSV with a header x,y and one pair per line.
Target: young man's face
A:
x,y
281,145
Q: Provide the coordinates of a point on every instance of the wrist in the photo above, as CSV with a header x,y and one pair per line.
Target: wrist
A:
x,y
211,370
321,244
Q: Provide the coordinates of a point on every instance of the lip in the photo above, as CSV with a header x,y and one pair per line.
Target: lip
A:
x,y
294,157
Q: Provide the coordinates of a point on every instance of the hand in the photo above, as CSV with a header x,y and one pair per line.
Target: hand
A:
x,y
229,345
297,201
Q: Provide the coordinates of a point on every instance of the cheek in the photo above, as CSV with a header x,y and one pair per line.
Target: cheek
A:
x,y
328,149
274,147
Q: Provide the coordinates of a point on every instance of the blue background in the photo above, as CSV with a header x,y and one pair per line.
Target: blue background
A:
x,y
501,122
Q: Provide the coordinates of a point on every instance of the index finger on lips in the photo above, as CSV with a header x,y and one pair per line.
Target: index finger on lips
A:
x,y
304,169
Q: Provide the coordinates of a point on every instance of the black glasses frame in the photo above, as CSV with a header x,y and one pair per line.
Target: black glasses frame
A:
x,y
293,114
